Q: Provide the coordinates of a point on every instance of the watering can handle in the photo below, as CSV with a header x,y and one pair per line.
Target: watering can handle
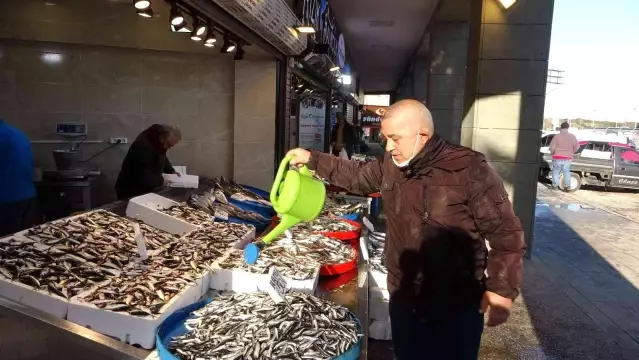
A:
x,y
279,177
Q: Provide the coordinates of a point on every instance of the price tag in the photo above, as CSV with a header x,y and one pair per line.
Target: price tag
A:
x,y
289,234
276,286
139,239
221,214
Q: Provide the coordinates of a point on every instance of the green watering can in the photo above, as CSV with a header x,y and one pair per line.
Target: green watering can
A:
x,y
296,196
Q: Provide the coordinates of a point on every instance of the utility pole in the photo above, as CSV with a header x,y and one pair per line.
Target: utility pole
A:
x,y
555,77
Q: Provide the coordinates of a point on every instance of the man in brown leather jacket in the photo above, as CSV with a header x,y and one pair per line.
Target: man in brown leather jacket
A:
x,y
441,201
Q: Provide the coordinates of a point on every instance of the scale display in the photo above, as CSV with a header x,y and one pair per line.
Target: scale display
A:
x,y
71,129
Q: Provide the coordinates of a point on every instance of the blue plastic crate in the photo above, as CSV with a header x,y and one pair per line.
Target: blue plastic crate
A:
x,y
174,326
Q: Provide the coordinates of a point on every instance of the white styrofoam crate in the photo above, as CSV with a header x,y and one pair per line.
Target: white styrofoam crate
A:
x,y
25,294
242,281
134,330
380,330
378,309
145,207
182,181
375,292
378,279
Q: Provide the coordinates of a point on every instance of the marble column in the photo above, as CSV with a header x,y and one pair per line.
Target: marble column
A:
x,y
507,62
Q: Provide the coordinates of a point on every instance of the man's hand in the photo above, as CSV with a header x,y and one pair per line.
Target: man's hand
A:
x,y
178,174
498,308
300,156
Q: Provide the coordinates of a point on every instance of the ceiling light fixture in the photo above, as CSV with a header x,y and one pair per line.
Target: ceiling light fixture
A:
x,y
507,3
141,4
147,13
210,39
305,28
183,28
177,18
334,68
199,29
228,46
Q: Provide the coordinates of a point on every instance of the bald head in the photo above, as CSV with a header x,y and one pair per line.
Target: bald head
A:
x,y
407,126
412,114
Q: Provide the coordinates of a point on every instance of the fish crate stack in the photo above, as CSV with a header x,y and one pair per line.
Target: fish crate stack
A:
x,y
378,295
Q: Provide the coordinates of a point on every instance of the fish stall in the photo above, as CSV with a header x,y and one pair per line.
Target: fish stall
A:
x,y
84,287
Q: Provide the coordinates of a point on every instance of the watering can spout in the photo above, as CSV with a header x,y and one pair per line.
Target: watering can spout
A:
x,y
296,196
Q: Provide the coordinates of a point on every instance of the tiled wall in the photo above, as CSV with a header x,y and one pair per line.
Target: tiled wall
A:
x,y
119,92
254,135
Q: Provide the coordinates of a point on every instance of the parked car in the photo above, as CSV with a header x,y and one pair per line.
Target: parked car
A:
x,y
619,170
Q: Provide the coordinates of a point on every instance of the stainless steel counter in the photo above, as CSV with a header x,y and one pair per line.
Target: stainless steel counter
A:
x,y
27,333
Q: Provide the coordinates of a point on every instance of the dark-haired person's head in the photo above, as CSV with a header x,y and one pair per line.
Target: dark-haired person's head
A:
x,y
564,125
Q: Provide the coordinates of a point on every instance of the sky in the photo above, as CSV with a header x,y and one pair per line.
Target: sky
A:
x,y
596,43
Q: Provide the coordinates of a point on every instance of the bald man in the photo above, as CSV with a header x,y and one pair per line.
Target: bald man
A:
x,y
441,202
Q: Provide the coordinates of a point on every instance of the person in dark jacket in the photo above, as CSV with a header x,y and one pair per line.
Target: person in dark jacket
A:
x,y
441,202
343,136
17,192
146,161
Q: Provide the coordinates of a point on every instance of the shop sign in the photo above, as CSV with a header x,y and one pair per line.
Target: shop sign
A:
x,y
273,20
318,13
312,122
372,115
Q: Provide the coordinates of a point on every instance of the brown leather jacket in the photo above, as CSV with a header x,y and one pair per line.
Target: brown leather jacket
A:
x,y
439,209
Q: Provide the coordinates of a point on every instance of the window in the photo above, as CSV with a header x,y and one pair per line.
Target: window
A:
x,y
545,141
629,156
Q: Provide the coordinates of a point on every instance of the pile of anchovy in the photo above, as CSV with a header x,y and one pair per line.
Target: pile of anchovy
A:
x,y
253,326
99,236
214,201
200,248
69,256
189,214
325,223
376,256
296,258
232,190
145,287
140,294
335,208
46,268
289,265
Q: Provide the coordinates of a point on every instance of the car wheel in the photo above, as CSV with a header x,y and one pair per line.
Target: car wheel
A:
x,y
575,181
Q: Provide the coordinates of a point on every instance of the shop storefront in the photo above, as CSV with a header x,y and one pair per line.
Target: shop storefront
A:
x,y
88,79
371,121
317,90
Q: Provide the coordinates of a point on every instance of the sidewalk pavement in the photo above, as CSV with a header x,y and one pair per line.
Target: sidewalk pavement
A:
x,y
580,296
